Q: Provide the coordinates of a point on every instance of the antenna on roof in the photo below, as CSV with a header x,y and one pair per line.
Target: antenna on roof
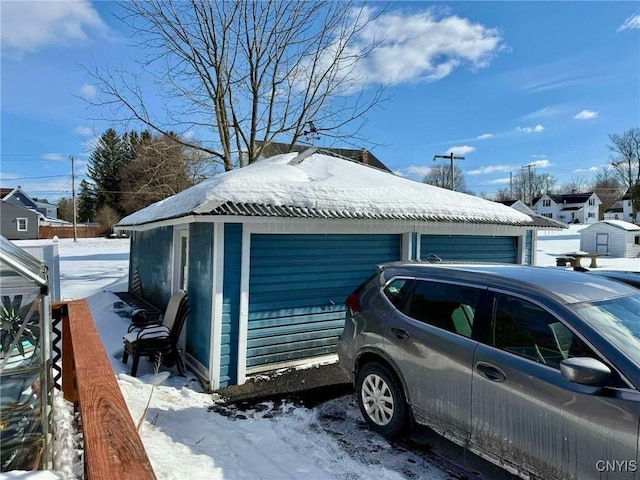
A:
x,y
312,133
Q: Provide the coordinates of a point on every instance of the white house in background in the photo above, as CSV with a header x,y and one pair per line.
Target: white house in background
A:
x,y
570,208
621,210
613,237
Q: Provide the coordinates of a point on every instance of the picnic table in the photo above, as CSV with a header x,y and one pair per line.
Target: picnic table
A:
x,y
574,259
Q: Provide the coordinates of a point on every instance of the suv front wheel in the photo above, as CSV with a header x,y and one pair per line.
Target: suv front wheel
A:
x,y
381,401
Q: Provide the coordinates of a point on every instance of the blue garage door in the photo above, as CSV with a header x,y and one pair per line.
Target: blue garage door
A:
x,y
297,288
469,248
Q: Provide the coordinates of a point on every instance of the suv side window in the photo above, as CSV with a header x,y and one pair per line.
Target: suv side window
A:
x,y
523,328
396,291
443,305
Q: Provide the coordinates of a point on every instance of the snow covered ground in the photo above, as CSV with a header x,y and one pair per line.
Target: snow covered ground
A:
x,y
184,438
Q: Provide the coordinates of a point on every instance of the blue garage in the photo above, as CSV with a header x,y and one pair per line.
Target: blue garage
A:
x,y
268,253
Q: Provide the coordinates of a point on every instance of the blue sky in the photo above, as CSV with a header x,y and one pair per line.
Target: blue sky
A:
x,y
505,84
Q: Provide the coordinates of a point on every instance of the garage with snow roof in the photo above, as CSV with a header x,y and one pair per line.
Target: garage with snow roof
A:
x,y
268,253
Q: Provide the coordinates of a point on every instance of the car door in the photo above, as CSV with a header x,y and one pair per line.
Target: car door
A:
x,y
527,415
429,340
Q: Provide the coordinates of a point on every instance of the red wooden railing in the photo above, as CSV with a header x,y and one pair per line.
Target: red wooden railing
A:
x,y
112,446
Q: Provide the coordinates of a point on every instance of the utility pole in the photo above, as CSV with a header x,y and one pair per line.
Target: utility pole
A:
x,y
73,199
529,166
510,185
452,158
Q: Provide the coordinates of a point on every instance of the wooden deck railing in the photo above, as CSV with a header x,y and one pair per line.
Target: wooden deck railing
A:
x,y
112,446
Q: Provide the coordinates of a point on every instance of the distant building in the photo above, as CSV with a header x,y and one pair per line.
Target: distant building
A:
x,y
621,210
611,237
19,197
18,222
569,208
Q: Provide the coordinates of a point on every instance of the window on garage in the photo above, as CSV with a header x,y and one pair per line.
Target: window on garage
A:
x,y
22,224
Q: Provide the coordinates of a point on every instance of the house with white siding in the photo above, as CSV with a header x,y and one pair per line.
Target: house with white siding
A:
x,y
612,237
621,210
269,252
570,208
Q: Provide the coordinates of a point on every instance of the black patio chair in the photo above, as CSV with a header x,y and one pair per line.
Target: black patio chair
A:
x,y
153,340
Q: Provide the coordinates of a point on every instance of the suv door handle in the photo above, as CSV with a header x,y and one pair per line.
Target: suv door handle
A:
x,y
400,333
489,371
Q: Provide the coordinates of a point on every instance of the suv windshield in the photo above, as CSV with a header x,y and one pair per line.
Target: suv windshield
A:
x,y
617,320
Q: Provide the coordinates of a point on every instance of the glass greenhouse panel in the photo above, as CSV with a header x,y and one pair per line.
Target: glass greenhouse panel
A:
x,y
25,352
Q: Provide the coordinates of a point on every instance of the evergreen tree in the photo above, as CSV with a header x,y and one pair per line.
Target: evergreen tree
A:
x,y
106,164
86,202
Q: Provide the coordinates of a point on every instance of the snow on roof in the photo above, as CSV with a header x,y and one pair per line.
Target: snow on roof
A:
x,y
618,224
325,183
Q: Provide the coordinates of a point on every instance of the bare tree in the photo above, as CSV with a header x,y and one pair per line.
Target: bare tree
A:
x,y
577,184
65,209
161,166
625,159
502,195
527,184
244,72
440,176
608,188
107,217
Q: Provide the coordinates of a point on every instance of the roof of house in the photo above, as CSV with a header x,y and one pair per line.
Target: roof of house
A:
x,y
275,148
567,198
321,186
5,191
621,224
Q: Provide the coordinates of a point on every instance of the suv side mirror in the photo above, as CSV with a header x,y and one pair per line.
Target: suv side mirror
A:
x,y
585,371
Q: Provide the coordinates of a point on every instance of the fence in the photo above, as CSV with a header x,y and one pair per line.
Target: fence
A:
x,y
83,231
48,254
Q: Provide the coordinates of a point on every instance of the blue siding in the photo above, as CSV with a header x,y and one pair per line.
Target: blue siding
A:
x,y
200,288
151,255
469,248
231,304
414,247
528,247
297,288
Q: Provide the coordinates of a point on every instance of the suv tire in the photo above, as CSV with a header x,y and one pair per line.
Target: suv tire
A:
x,y
381,400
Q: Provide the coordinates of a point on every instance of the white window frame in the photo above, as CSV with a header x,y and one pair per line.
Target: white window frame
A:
x,y
26,224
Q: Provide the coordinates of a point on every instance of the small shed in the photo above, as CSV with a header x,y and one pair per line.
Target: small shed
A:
x,y
613,237
269,252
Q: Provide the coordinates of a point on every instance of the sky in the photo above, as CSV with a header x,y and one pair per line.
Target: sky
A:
x,y
504,84
184,439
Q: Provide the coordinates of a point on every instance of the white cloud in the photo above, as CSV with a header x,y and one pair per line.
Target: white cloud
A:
x,y
542,163
417,170
587,170
410,48
489,169
585,115
537,128
545,112
88,90
460,150
83,131
500,181
91,144
484,136
54,156
29,26
630,23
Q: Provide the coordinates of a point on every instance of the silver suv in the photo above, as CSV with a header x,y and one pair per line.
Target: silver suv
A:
x,y
534,369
